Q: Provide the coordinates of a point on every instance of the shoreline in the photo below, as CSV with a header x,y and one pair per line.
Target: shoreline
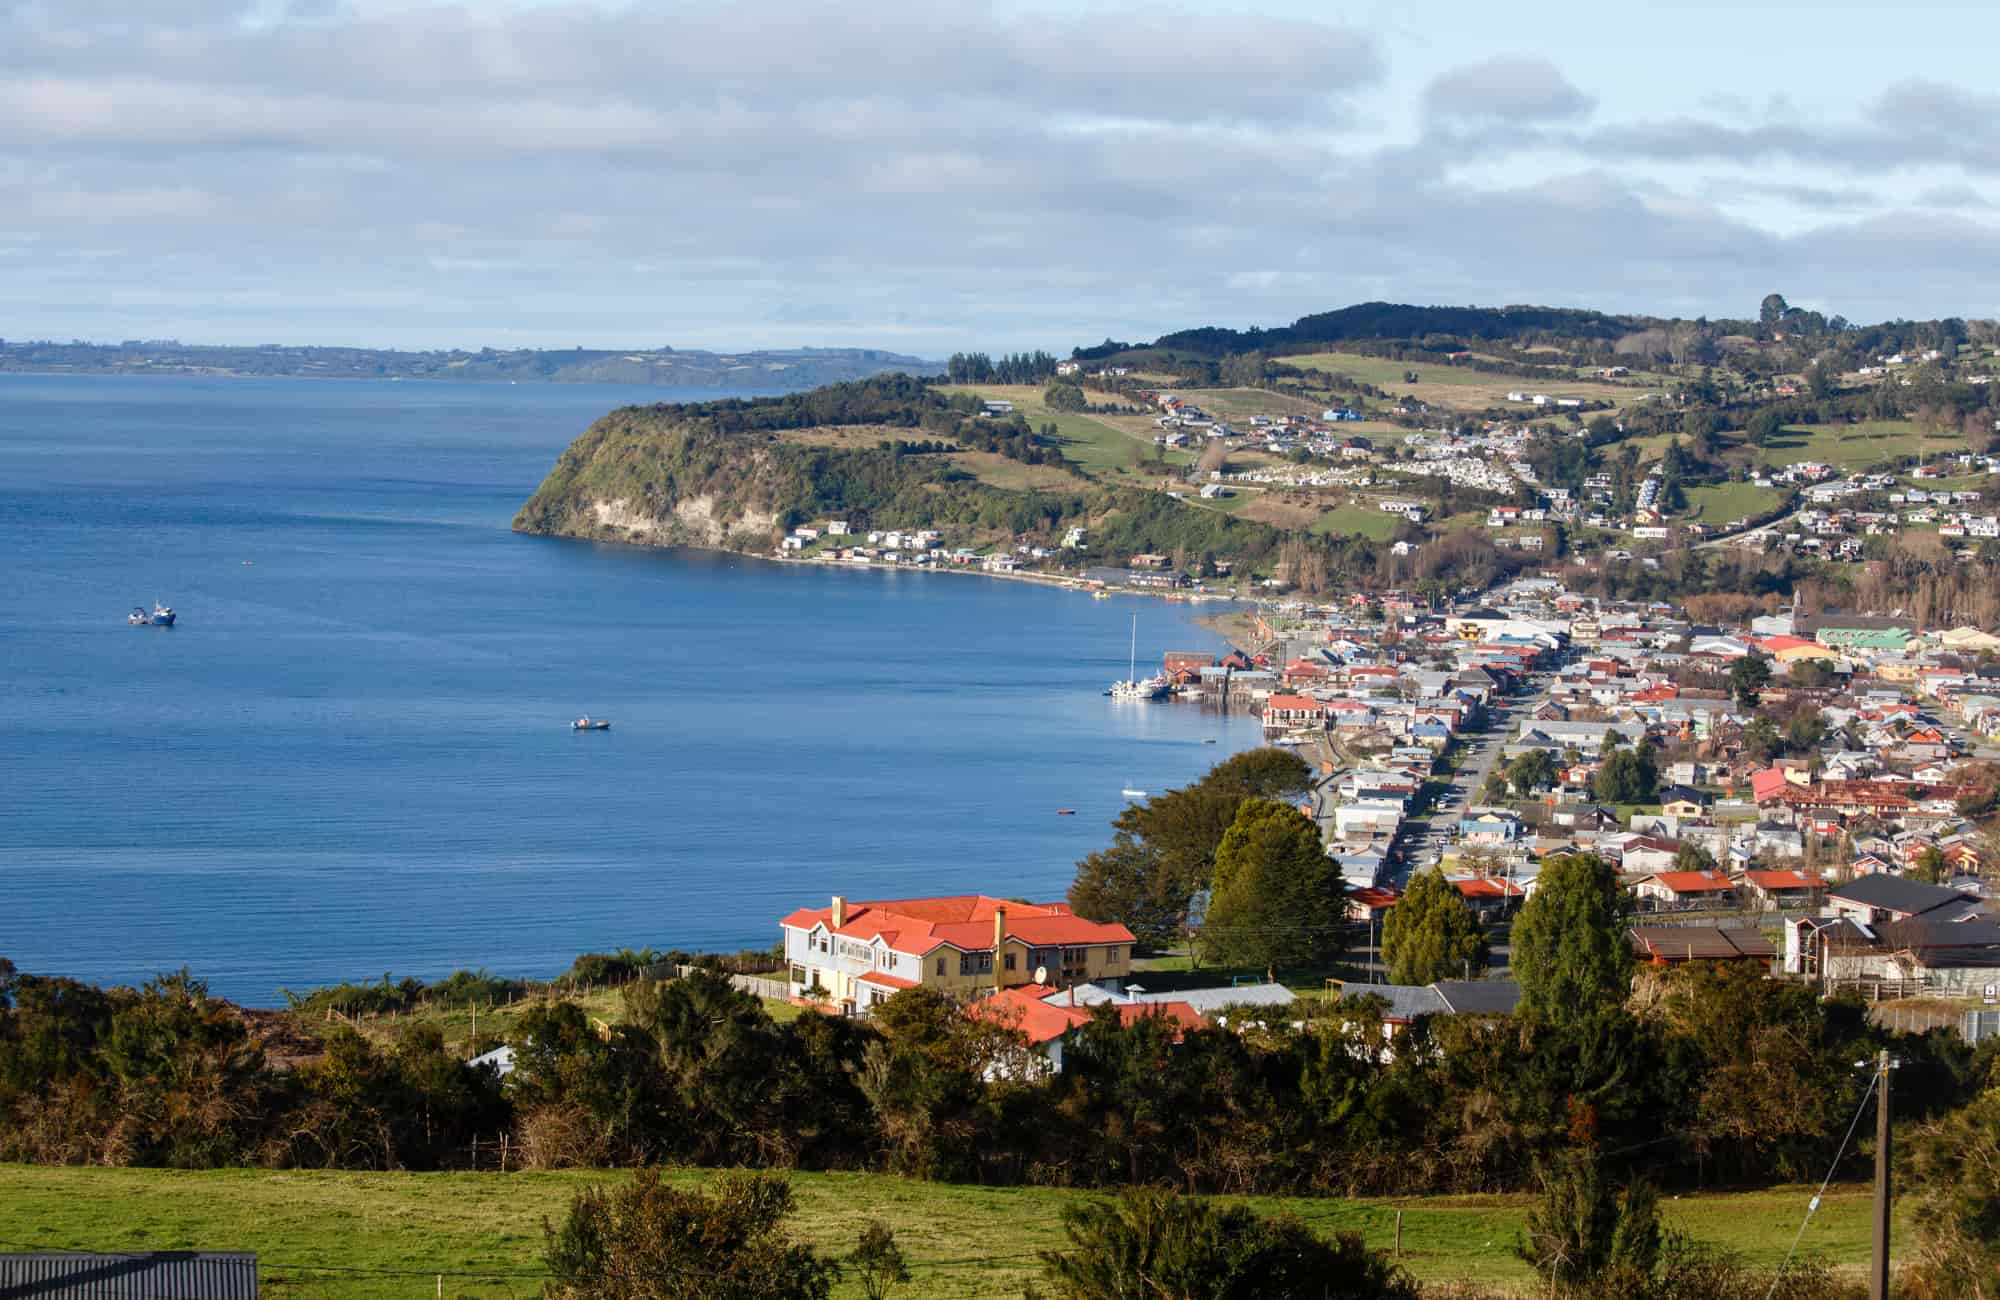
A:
x,y
1214,622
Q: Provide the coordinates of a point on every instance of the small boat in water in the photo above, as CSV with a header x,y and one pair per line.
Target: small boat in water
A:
x,y
1134,794
587,723
1065,812
161,616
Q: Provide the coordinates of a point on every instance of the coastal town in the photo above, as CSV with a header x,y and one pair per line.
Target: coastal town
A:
x,y
1801,795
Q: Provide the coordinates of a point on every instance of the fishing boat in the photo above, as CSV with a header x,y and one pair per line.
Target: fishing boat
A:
x,y
1065,812
161,616
1133,794
588,723
1132,688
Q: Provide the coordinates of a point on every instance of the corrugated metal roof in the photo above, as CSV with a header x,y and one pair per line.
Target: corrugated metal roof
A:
x,y
143,1275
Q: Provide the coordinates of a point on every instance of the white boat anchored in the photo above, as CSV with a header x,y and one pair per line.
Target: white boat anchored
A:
x,y
1132,688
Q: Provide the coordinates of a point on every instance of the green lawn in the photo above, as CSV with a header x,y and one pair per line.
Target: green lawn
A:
x,y
1090,442
1726,501
319,1234
1857,446
1359,518
1385,373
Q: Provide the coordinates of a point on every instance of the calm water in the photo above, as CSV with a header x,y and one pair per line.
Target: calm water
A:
x,y
353,755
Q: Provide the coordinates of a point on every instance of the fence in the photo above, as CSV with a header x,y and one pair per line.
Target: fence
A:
x,y
755,985
1980,1025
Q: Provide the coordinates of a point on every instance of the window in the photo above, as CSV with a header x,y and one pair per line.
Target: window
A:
x,y
1010,961
1074,956
975,963
940,965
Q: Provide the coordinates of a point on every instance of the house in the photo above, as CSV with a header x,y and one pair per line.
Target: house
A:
x,y
1489,829
1780,889
1047,1023
1876,899
1489,896
1687,889
1405,1004
852,956
1674,945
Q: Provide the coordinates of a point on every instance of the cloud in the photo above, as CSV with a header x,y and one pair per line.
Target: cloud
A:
x,y
1508,88
956,175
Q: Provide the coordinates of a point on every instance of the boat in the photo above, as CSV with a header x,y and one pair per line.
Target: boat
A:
x,y
1208,740
1134,794
1132,688
1100,595
1065,812
587,723
161,616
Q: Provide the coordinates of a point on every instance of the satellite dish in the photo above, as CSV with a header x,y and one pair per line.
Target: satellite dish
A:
x,y
1041,974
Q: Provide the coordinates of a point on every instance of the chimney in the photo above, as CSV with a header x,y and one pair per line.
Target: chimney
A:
x,y
999,933
839,912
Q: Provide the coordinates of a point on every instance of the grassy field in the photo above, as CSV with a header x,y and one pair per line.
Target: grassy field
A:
x,y
1726,501
374,1236
1358,518
1459,388
1856,446
1101,446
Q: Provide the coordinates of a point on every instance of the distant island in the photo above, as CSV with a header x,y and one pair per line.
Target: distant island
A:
x,y
747,373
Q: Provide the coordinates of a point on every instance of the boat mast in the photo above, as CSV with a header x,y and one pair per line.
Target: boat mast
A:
x,y
1132,663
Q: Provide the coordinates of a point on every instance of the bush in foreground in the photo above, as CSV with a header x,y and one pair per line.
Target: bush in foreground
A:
x,y
1152,1245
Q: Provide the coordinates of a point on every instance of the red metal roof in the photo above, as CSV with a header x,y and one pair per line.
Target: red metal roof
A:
x,y
965,921
1693,882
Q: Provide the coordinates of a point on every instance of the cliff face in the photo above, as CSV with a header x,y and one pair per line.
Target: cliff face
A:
x,y
650,476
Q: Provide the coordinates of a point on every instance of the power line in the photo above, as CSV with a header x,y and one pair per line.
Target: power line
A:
x,y
1812,1206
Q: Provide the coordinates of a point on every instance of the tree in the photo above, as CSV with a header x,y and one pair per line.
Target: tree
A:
x,y
1627,776
1531,771
1155,1245
1061,396
879,1261
1278,898
1956,1166
1772,310
1585,1233
1747,676
1128,884
1164,850
1763,427
647,1241
1569,947
1431,934
1929,867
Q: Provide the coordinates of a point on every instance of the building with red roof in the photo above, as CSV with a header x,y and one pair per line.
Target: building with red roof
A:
x,y
1687,888
965,945
1047,1023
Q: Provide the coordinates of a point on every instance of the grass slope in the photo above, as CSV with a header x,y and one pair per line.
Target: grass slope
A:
x,y
355,1236
1857,446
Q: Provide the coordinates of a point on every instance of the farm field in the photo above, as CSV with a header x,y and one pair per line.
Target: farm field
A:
x,y
1102,446
1726,501
1857,446
371,1236
1462,389
1359,519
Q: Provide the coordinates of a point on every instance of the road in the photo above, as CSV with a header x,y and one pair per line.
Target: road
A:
x,y
1423,839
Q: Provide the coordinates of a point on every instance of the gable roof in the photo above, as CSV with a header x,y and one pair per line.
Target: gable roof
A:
x,y
1041,1022
1894,894
964,921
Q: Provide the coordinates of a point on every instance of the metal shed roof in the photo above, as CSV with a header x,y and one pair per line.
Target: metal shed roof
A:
x,y
142,1275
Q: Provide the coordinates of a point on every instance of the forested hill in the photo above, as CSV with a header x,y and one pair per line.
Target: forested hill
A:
x,y
738,372
1386,320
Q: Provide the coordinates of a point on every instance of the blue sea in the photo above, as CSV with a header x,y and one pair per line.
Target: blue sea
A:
x,y
353,755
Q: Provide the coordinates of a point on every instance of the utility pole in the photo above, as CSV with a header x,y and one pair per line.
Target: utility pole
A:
x,y
1878,1272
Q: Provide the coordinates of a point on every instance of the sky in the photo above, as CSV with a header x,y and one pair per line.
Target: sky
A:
x,y
929,176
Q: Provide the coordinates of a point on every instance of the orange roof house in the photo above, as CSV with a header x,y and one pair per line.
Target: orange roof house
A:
x,y
850,956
